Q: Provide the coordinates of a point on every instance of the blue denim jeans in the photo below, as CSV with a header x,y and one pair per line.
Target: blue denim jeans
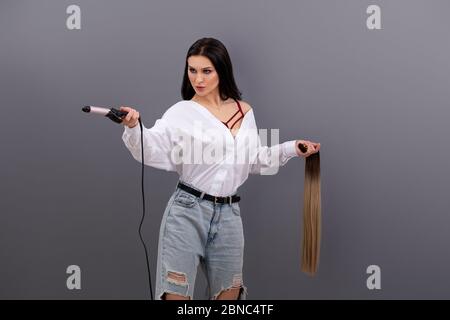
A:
x,y
193,231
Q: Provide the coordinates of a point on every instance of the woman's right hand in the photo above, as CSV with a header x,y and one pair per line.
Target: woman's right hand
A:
x,y
131,119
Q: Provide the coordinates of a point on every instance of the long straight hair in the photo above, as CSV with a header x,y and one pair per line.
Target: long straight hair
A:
x,y
216,52
312,219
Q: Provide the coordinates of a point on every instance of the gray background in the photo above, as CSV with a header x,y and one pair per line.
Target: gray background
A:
x,y
376,100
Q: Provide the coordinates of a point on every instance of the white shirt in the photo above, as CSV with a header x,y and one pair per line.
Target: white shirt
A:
x,y
192,141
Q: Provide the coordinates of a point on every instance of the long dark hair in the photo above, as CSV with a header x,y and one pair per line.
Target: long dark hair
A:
x,y
215,51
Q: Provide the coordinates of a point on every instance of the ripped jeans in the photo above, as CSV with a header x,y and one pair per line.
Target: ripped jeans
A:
x,y
193,231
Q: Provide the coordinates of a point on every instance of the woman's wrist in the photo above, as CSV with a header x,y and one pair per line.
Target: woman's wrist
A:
x,y
131,127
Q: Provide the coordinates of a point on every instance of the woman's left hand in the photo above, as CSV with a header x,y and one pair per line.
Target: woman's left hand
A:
x,y
312,147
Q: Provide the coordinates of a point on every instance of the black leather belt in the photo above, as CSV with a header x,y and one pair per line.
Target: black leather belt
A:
x,y
203,195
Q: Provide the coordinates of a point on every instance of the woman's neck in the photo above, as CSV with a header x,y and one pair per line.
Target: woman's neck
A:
x,y
212,100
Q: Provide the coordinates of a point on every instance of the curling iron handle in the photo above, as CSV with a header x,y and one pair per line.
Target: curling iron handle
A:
x,y
116,115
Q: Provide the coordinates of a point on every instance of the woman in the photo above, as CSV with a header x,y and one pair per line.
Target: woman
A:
x,y
202,222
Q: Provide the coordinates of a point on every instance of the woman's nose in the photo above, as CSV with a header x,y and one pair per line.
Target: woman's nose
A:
x,y
198,80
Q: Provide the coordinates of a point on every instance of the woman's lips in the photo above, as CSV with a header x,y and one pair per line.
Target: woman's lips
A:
x,y
200,88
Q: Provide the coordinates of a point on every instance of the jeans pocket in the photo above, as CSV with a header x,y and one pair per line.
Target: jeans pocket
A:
x,y
185,199
236,209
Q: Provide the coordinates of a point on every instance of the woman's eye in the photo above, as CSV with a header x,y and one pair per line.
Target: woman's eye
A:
x,y
205,71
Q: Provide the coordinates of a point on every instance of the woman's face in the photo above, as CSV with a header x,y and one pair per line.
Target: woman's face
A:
x,y
204,78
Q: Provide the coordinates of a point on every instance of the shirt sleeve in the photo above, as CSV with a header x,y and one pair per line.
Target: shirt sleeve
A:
x,y
269,159
158,144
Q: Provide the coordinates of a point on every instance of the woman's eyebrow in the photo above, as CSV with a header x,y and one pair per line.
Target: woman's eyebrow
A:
x,y
203,68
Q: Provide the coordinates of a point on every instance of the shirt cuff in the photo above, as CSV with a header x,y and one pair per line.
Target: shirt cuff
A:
x,y
289,149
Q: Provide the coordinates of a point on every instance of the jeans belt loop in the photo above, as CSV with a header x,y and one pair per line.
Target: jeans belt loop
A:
x,y
230,200
201,196
215,200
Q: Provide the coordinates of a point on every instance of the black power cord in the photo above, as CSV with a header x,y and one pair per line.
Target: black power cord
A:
x,y
143,209
117,116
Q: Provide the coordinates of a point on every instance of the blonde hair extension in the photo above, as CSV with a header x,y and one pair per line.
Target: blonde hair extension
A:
x,y
311,215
